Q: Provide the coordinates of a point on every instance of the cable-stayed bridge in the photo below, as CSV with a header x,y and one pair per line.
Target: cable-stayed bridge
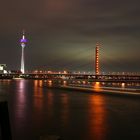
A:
x,y
75,76
96,76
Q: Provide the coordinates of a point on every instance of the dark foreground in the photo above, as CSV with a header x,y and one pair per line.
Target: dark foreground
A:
x,y
73,115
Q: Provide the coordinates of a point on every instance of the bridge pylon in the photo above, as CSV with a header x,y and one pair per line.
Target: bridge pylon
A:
x,y
97,67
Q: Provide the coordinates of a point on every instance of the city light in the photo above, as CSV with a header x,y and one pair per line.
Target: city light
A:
x,y
123,85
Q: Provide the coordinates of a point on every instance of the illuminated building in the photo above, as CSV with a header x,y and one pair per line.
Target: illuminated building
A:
x,y
97,59
3,68
23,42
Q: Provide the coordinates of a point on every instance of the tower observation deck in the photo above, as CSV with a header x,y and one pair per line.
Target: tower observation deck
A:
x,y
23,42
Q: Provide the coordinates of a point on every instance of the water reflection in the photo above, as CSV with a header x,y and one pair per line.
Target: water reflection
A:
x,y
50,103
84,82
64,83
4,83
21,98
97,121
123,85
72,114
38,94
97,86
50,83
38,99
65,108
21,93
40,83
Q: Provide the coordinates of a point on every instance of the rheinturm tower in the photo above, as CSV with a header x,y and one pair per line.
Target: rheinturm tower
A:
x,y
23,42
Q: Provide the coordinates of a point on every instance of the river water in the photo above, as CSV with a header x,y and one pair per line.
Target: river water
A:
x,y
36,110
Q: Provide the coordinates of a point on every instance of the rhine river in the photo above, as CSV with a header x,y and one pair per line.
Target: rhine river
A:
x,y
36,110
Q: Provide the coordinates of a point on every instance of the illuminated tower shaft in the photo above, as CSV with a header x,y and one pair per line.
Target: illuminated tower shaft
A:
x,y
23,42
22,60
97,59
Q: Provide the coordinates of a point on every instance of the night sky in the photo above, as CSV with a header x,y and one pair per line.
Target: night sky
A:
x,y
62,34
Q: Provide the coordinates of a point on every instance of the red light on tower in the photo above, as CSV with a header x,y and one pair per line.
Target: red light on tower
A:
x,y
97,59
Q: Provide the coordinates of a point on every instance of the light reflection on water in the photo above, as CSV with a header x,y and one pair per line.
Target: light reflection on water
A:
x,y
64,83
38,94
50,83
97,121
65,108
72,114
4,83
97,86
123,85
38,99
50,105
21,98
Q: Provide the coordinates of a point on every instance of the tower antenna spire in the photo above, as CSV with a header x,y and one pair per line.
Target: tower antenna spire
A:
x,y
23,34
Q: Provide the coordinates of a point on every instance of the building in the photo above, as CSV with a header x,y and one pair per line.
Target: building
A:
x,y
3,68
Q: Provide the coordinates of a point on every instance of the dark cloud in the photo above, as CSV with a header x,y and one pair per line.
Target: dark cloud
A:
x,y
63,33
